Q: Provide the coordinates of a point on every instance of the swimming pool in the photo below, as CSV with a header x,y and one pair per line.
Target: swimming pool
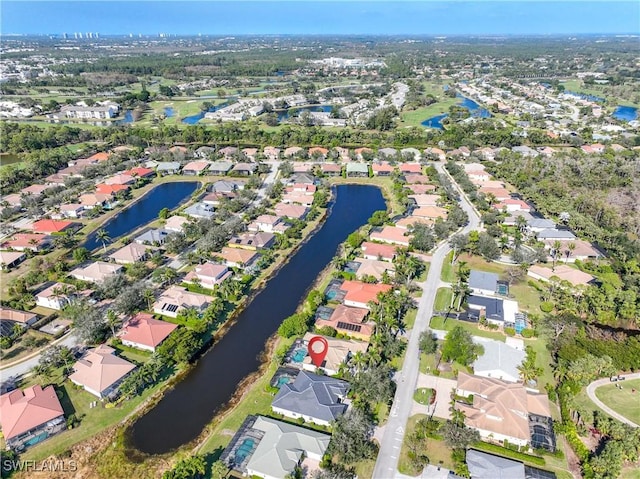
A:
x,y
244,450
282,380
299,355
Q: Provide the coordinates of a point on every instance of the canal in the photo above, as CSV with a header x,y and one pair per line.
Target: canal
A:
x,y
185,410
146,209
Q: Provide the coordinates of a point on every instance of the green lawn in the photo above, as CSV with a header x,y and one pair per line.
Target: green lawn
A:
x,y
438,322
423,396
416,117
427,363
622,401
437,451
410,318
448,272
443,299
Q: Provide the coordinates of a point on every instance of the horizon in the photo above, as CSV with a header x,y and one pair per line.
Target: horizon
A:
x,y
292,17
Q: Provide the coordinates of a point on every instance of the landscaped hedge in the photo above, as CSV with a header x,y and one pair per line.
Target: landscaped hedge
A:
x,y
502,451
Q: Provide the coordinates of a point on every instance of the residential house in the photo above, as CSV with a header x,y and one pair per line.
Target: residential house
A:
x,y
154,237
204,152
477,177
387,152
411,153
110,190
413,179
220,168
331,169
298,198
251,153
552,234
435,153
423,200
510,205
95,200
410,168
349,321
563,272
499,194
363,153
408,223
357,170
100,371
430,212
216,198
238,257
144,332
488,466
316,399
318,152
339,352
244,169
582,250
373,268
483,283
359,294
11,259
499,360
175,299
28,416
130,253
274,449
225,187
200,210
72,210
267,223
271,153
291,211
175,224
208,275
52,226
195,168
384,252
121,179
96,272
292,151
419,189
25,318
56,296
382,169
501,411
228,152
391,235
34,190
253,241
29,241
536,225
302,178
494,310
140,172
168,167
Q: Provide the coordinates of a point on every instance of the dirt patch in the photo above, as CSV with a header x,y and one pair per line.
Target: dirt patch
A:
x,y
573,463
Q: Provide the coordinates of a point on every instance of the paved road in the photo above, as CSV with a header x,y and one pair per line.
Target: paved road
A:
x,y
591,392
24,366
387,462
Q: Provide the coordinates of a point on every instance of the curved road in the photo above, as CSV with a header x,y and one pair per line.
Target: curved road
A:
x,y
591,392
391,443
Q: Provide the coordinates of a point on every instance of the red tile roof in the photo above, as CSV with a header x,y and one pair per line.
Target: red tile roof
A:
x,y
22,411
51,226
145,330
110,189
360,292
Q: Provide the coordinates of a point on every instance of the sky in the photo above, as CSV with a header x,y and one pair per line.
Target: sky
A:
x,y
236,17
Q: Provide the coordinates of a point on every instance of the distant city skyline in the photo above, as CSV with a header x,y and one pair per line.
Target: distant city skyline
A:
x,y
328,17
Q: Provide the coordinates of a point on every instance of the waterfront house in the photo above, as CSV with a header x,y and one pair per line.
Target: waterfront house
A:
x,y
11,259
238,257
155,237
29,241
168,167
144,332
382,168
175,224
95,112
359,294
100,371
140,172
53,226
176,298
220,168
225,187
316,399
253,241
297,198
208,275
121,179
29,416
349,321
267,223
71,210
372,268
423,200
339,352
111,190
331,169
195,168
96,272
391,235
357,170
291,211
384,252
130,253
95,200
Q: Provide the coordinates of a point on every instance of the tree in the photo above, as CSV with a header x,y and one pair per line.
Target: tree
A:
x,y
351,439
428,342
488,247
194,467
149,297
459,346
104,238
423,239
459,436
80,255
219,470
163,214
131,298
373,383
458,243
294,325
378,218
528,369
113,321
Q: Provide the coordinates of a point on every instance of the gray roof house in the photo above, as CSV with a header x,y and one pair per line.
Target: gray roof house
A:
x,y
156,237
302,178
318,399
244,168
220,167
357,169
492,307
168,167
224,187
487,466
200,210
482,282
499,360
388,152
555,234
539,224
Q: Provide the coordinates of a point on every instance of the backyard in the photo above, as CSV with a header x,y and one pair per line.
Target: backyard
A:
x,y
625,401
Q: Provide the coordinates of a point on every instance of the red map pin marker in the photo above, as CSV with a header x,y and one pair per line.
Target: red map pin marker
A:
x,y
318,348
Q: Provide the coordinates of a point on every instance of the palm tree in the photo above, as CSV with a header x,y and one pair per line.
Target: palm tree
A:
x,y
555,253
113,321
149,297
104,237
571,248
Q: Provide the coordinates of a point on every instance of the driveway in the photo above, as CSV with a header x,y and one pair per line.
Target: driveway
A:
x,y
591,392
443,389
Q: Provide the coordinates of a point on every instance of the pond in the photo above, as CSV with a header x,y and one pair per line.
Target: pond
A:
x,y
166,195
292,112
585,96
168,111
625,113
193,119
475,110
126,119
185,410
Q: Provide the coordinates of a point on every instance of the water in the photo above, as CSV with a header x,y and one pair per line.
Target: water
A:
x,y
166,195
299,355
127,119
9,159
625,113
585,96
476,111
168,111
286,114
185,410
193,119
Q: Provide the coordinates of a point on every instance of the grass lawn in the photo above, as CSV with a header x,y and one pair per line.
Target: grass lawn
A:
x,y
448,272
543,360
438,322
423,396
416,117
437,451
423,276
410,318
631,472
622,401
443,299
427,363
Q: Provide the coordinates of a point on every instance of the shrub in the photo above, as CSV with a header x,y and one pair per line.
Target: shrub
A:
x,y
528,333
546,307
510,331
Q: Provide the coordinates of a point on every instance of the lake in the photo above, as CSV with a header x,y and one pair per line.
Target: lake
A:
x,y
146,209
185,410
475,110
193,119
168,111
625,113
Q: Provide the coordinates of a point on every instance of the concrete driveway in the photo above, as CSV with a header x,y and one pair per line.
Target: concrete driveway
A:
x,y
443,389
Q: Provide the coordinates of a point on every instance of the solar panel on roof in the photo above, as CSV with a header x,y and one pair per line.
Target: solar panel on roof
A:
x,y
349,327
170,307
